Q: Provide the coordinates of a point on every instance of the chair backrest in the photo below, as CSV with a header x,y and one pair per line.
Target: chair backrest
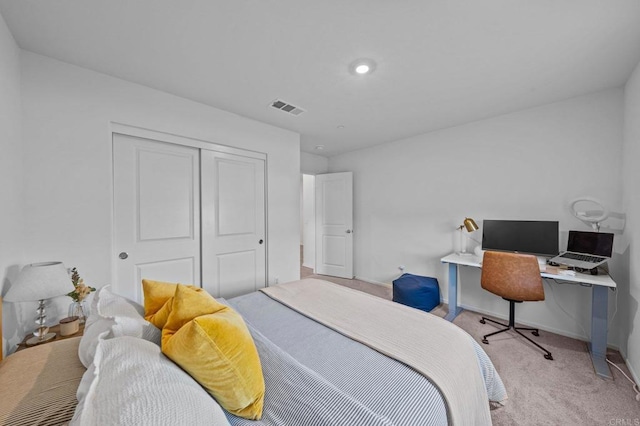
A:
x,y
512,276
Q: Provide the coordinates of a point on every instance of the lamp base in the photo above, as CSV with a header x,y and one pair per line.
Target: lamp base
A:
x,y
464,253
37,340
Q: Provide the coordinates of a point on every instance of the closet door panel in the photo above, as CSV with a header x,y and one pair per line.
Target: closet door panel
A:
x,y
156,213
237,273
236,198
233,224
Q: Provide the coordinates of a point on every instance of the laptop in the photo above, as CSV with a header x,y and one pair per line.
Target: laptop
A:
x,y
586,250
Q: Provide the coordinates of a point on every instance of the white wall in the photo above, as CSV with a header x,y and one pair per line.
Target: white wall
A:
x,y
312,164
631,199
410,195
11,166
68,178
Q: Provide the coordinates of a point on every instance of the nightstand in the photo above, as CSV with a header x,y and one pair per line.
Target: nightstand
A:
x,y
55,329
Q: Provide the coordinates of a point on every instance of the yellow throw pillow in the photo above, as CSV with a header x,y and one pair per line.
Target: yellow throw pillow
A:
x,y
156,293
159,319
158,299
217,350
187,303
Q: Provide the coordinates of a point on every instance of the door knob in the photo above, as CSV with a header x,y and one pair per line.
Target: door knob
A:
x,y
123,255
261,241
348,231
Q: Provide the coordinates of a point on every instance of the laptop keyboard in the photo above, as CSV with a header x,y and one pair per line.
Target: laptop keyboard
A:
x,y
582,257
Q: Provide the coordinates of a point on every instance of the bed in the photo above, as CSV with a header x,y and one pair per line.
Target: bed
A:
x,y
317,370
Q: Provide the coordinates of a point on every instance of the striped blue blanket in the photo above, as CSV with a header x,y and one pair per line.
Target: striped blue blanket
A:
x,y
315,376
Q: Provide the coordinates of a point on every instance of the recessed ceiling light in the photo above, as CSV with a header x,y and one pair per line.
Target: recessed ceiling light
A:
x,y
362,69
319,147
362,66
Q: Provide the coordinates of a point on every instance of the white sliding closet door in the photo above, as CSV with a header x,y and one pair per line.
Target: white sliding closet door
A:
x,y
156,213
233,223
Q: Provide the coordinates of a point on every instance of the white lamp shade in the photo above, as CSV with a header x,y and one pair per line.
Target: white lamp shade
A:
x,y
38,281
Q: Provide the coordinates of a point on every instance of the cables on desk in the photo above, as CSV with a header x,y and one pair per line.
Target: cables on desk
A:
x,y
615,310
555,300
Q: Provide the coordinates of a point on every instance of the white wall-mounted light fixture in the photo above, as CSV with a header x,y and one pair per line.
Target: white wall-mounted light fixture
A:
x,y
592,212
362,66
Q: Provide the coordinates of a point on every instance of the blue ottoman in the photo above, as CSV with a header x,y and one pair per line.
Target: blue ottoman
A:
x,y
416,291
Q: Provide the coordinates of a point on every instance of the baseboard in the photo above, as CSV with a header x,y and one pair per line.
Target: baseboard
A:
x,y
532,324
634,375
369,280
308,266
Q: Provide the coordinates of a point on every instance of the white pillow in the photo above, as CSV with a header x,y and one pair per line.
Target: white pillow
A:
x,y
133,383
112,315
100,329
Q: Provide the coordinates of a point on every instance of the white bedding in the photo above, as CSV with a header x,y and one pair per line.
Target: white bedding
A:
x,y
133,383
313,375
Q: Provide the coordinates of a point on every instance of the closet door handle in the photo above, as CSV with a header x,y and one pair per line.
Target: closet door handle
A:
x,y
261,241
123,255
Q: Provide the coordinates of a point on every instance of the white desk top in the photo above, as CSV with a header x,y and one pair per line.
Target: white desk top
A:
x,y
475,262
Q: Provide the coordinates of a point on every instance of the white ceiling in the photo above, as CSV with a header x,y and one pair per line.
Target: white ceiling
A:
x,y
440,63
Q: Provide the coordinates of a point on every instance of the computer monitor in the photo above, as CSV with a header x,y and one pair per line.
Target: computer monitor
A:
x,y
523,236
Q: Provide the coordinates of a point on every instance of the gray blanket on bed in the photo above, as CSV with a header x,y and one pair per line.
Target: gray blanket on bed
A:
x,y
387,388
438,349
296,395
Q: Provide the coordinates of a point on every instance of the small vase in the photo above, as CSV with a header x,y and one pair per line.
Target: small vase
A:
x,y
79,309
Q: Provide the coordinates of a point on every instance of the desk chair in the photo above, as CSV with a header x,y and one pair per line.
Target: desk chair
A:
x,y
515,278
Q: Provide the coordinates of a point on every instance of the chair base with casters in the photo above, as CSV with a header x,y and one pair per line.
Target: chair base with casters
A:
x,y
512,326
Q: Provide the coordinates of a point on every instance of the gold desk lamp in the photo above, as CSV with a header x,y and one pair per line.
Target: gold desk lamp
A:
x,y
470,225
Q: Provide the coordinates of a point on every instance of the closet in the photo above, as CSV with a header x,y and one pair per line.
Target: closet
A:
x,y
187,211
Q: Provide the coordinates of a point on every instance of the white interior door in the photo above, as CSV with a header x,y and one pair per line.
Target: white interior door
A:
x,y
334,224
309,221
233,224
156,213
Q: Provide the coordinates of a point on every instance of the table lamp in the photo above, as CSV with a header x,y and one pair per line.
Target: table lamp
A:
x,y
37,282
470,225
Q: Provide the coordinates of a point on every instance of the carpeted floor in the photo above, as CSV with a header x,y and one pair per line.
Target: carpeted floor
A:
x,y
564,391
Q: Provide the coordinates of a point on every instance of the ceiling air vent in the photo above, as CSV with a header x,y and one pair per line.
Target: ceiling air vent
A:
x,y
286,107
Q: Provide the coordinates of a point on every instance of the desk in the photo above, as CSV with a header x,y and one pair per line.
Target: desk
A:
x,y
600,284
